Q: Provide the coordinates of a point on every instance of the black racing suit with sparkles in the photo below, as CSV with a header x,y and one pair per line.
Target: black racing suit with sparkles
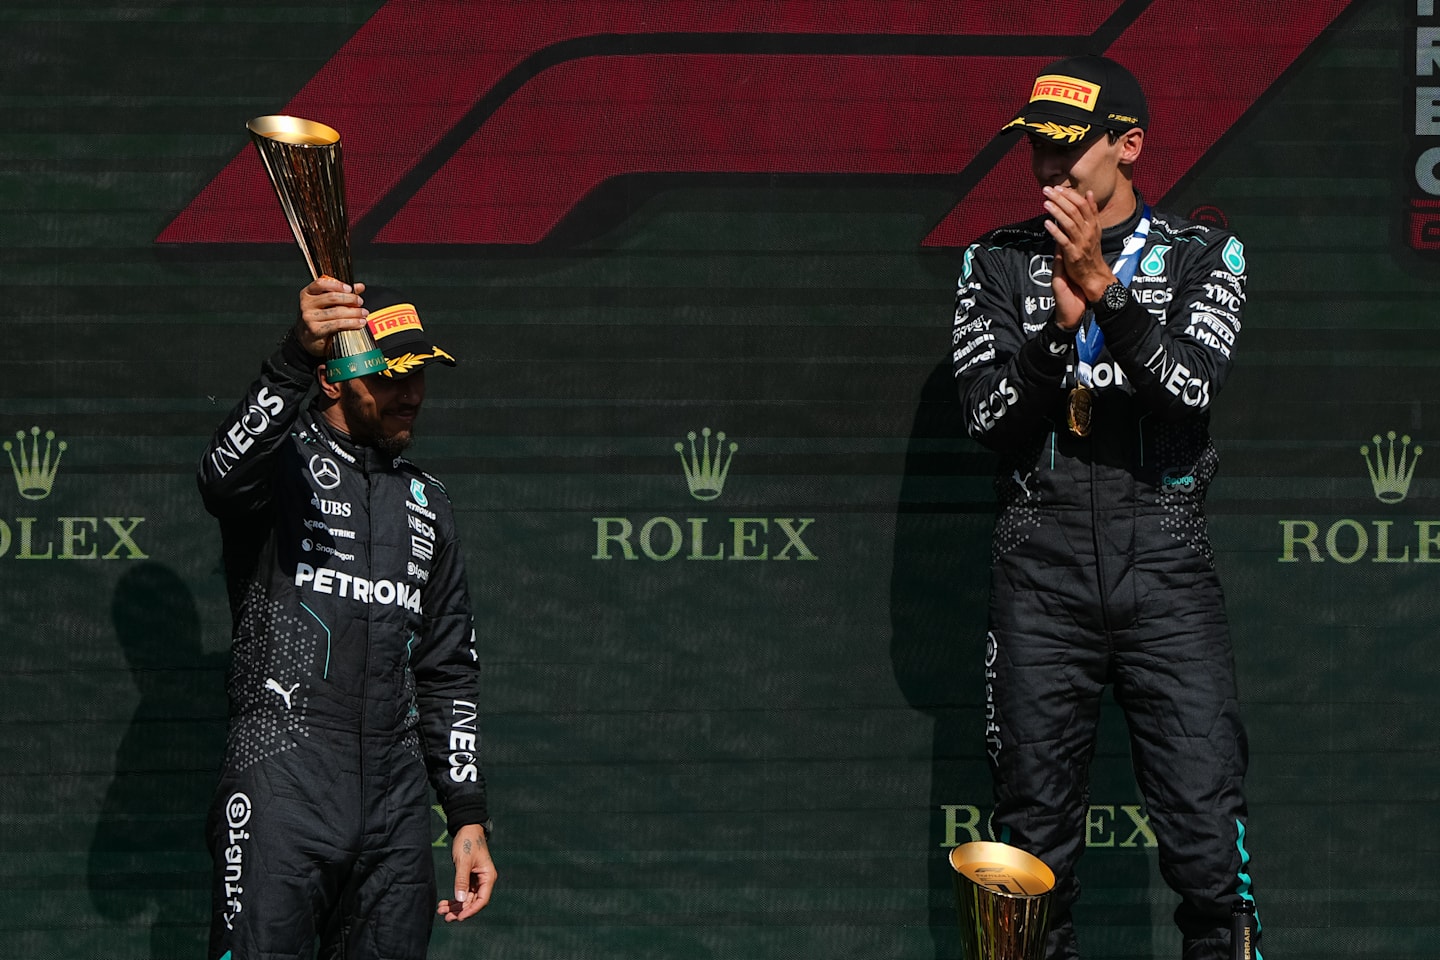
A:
x,y
1102,571
353,676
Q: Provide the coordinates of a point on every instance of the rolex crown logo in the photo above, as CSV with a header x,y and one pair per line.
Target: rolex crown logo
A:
x,y
1390,475
34,473
705,471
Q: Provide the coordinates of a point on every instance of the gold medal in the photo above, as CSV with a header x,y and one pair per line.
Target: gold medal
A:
x,y
1082,398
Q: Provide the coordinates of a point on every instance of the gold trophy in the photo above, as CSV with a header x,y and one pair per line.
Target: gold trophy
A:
x,y
1003,895
302,159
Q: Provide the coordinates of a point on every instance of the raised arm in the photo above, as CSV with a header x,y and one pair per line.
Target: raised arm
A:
x,y
234,474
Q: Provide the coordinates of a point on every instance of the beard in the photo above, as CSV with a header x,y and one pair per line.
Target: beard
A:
x,y
366,427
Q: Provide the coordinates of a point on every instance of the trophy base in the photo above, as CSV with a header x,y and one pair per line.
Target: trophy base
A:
x,y
356,365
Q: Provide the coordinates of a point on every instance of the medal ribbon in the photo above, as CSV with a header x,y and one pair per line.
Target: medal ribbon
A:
x,y
1090,339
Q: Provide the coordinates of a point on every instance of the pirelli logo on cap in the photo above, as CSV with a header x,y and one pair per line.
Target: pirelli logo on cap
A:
x,y
393,319
1062,89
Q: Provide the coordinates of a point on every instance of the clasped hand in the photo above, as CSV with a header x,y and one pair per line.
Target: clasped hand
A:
x,y
1080,273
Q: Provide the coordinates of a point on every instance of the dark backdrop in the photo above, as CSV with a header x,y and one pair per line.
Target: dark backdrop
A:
x,y
694,754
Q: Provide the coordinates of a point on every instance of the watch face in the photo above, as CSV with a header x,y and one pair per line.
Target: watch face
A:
x,y
1116,296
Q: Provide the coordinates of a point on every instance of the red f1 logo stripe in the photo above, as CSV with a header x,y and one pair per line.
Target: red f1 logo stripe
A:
x,y
487,122
566,132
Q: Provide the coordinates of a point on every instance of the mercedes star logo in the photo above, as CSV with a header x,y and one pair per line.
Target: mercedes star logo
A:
x,y
325,472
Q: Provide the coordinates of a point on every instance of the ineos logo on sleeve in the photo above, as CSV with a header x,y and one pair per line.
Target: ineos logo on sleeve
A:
x,y
255,421
326,472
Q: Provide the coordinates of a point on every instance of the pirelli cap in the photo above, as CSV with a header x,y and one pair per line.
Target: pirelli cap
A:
x,y
395,325
1075,99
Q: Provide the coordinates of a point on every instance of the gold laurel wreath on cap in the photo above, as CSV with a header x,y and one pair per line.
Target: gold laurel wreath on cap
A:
x,y
410,362
1073,133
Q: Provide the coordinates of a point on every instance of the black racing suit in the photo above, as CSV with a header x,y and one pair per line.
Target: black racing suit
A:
x,y
353,673
1102,568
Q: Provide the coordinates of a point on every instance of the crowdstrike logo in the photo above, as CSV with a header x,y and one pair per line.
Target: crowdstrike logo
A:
x,y
35,467
706,468
1390,468
321,525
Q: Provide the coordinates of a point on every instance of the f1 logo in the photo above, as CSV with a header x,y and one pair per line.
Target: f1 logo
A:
x,y
525,110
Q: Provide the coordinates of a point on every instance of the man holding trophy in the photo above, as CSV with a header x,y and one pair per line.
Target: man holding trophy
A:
x,y
354,679
1089,343
353,662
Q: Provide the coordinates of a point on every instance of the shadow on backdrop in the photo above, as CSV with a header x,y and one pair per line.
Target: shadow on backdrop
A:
x,y
939,595
939,587
148,859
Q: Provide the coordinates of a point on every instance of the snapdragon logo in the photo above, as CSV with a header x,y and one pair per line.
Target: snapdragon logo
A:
x,y
35,465
706,457
1390,467
318,546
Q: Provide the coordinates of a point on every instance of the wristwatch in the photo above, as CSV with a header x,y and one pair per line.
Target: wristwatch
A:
x,y
1113,300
